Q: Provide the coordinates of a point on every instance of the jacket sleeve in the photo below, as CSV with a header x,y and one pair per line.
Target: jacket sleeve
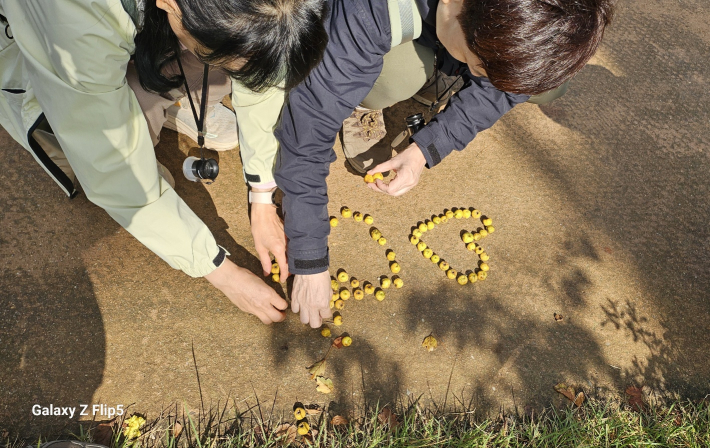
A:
x,y
359,36
257,115
76,55
473,109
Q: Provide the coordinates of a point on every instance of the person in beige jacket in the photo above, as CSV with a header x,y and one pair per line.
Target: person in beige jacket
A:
x,y
66,99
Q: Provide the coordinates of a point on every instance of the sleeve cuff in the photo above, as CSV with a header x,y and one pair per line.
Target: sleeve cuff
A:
x,y
425,140
306,262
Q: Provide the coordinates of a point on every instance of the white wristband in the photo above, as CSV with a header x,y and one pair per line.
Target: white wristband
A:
x,y
261,197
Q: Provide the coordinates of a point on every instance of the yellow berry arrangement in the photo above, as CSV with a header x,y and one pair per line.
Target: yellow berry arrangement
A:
x,y
469,238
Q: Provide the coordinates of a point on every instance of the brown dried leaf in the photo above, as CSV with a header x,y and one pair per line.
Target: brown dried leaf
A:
x,y
338,342
579,399
558,317
177,429
636,398
567,391
430,343
317,369
287,431
339,420
313,409
325,385
387,417
103,433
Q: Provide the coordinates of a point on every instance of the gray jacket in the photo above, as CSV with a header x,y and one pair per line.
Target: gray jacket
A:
x,y
359,37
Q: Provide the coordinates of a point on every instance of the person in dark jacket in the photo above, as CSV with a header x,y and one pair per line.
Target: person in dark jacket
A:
x,y
504,50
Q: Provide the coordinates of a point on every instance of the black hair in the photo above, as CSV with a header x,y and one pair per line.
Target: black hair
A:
x,y
532,46
279,41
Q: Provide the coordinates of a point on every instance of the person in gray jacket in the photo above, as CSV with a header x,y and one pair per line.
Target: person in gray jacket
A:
x,y
504,50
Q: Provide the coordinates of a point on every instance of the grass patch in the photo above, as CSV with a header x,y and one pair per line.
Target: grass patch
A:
x,y
596,424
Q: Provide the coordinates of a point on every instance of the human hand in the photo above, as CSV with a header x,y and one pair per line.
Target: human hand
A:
x,y
267,229
311,297
408,165
248,292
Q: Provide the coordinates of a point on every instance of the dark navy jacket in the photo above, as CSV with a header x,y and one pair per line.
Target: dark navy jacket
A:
x,y
359,36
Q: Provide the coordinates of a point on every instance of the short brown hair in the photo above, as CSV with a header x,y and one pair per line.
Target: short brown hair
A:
x,y
532,46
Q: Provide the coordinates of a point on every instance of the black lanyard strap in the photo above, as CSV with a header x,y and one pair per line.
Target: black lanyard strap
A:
x,y
200,121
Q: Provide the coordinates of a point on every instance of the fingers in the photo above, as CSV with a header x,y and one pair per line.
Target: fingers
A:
x,y
314,318
391,164
278,302
265,261
326,313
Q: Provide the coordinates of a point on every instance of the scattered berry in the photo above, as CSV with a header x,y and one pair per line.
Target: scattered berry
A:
x,y
462,279
303,428
346,341
395,268
337,319
444,266
343,277
382,241
484,256
487,221
385,282
358,294
421,246
346,212
333,222
339,304
398,282
369,288
325,332
380,294
368,219
344,294
357,216
451,273
435,259
390,255
427,253
467,237
354,282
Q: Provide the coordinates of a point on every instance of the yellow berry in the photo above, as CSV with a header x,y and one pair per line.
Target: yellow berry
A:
x,y
472,277
354,282
467,237
357,216
333,222
449,214
471,246
343,277
490,229
395,268
335,296
478,250
339,304
414,239
484,266
435,258
427,253
337,319
436,220
325,332
276,278
476,236
444,266
482,275
358,294
391,255
369,178
275,268
385,282
332,304
380,295
483,232
303,428
368,219
300,412
421,246
466,213
346,341
344,294
458,214
487,221
423,227
417,233
475,213
443,218
382,241
484,256
451,273
334,284
398,282
369,288
346,212
375,234
429,225
378,176
462,279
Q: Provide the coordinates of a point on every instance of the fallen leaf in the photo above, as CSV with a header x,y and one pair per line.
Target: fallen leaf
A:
x,y
387,417
103,434
567,391
177,429
286,431
313,409
317,369
579,399
636,398
325,385
339,420
558,317
338,342
429,343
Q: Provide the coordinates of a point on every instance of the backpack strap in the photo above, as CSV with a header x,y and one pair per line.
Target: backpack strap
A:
x,y
135,9
405,21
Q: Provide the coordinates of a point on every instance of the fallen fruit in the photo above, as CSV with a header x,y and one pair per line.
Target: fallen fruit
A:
x,y
340,303
483,232
275,268
421,245
444,266
478,250
347,340
484,266
346,212
344,294
443,218
354,282
358,294
385,282
299,412
430,343
475,213
333,222
467,237
368,219
390,255
395,268
484,256
462,279
276,278
482,275
380,295
334,284
435,259
369,288
458,214
429,224
375,234
414,239
436,219
337,319
303,428
398,282
449,214
357,216
471,246
343,277
476,236
417,233
466,213
427,253
325,332
472,277
382,241
487,221
490,229
451,273
423,227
